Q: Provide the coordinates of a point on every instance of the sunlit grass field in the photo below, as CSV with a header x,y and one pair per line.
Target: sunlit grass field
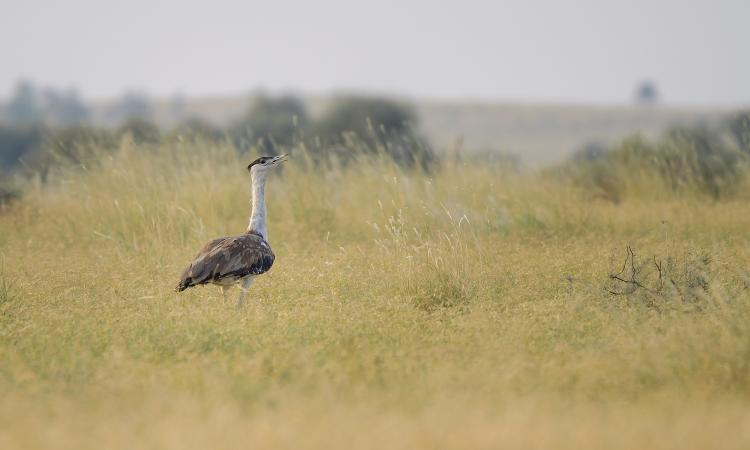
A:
x,y
471,307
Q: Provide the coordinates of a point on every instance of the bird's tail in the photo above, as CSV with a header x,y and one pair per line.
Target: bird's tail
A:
x,y
183,284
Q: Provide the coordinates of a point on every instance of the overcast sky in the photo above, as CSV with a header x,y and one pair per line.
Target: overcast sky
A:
x,y
696,51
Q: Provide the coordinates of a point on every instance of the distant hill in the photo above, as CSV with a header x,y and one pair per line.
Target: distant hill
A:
x,y
544,133
538,133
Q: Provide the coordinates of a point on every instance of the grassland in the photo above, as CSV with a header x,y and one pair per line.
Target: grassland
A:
x,y
468,308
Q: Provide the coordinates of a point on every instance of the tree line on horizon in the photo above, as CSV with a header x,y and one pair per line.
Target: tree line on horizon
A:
x,y
39,124
50,127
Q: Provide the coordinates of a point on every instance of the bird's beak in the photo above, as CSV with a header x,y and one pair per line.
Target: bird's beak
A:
x,y
281,158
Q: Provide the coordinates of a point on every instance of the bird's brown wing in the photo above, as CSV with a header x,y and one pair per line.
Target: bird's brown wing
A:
x,y
228,259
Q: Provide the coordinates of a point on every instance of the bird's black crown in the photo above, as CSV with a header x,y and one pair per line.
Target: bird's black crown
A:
x,y
261,160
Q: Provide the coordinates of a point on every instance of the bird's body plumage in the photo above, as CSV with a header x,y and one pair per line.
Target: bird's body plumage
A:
x,y
225,261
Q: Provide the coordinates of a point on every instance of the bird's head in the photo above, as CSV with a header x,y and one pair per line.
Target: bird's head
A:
x,y
263,165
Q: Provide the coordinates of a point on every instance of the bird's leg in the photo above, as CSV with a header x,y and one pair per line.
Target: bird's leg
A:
x,y
246,282
224,290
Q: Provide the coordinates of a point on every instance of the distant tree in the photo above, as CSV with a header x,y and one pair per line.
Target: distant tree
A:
x,y
739,127
270,123
132,104
379,125
646,93
17,141
64,108
77,145
366,117
141,130
25,107
178,107
197,128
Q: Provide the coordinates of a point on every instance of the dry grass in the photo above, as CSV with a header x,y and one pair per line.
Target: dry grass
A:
x,y
465,309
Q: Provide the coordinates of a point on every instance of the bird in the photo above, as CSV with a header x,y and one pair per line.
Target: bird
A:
x,y
234,260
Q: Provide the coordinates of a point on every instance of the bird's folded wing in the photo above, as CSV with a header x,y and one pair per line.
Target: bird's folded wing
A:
x,y
223,258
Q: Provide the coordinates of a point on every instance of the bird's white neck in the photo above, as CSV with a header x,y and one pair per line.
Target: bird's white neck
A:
x,y
258,214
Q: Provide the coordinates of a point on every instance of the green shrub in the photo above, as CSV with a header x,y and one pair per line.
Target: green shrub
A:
x,y
76,145
683,161
9,191
699,158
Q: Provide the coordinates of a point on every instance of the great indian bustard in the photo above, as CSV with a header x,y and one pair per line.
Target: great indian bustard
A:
x,y
230,260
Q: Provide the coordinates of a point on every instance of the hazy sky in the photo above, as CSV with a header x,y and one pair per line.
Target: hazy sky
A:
x,y
697,52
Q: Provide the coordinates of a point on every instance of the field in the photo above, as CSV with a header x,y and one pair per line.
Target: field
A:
x,y
472,307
